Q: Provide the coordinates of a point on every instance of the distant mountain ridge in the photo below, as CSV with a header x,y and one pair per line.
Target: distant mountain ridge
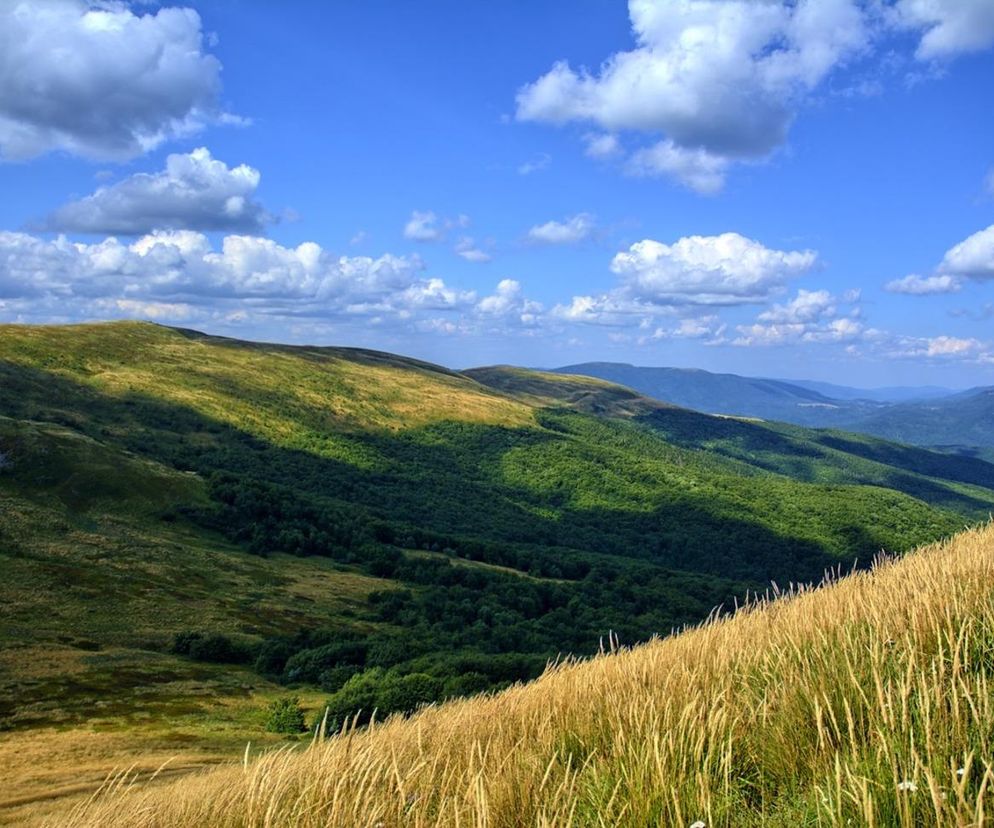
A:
x,y
768,399
957,421
887,394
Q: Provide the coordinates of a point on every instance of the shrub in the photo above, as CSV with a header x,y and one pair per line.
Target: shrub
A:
x,y
284,715
212,647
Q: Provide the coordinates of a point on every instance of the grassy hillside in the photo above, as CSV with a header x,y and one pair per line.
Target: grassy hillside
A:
x,y
189,525
867,702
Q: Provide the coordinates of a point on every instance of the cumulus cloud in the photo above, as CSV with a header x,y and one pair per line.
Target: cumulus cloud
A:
x,y
613,309
783,333
695,168
422,226
181,269
806,306
708,270
972,258
951,346
656,279
936,348
710,329
425,226
718,77
811,316
98,80
467,249
915,285
601,145
714,82
948,27
570,231
194,192
508,303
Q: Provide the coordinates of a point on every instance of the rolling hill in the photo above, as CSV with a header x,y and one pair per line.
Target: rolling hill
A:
x,y
191,524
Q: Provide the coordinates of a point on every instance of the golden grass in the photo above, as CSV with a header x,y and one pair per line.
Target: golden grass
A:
x,y
45,771
279,392
866,702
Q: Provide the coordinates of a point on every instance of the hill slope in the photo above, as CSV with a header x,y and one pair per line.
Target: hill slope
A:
x,y
866,702
189,523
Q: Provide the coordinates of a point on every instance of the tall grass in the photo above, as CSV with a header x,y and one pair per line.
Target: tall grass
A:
x,y
865,702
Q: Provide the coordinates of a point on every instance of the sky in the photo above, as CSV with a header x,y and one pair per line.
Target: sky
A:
x,y
798,189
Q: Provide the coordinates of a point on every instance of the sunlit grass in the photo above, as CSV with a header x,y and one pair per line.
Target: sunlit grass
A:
x,y
287,395
866,702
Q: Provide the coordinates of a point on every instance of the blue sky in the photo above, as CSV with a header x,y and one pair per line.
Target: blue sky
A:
x,y
795,190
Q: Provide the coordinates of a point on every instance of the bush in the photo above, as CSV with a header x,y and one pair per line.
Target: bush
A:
x,y
284,715
213,648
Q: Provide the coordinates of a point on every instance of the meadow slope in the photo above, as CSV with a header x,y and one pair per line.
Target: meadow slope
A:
x,y
865,702
192,526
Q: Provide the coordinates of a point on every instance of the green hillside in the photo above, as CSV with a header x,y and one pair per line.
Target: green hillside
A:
x,y
186,518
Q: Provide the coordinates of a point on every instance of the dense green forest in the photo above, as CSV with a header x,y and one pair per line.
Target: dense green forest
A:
x,y
501,518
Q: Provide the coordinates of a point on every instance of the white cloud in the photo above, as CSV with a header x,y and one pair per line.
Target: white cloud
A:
x,y
949,27
98,80
423,226
467,249
936,348
951,346
915,285
181,269
509,303
695,168
718,77
708,328
811,316
972,258
434,294
707,270
194,192
570,231
713,82
169,311
783,333
807,306
656,279
601,145
613,309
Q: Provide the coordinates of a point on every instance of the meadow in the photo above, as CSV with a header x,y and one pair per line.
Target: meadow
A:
x,y
864,702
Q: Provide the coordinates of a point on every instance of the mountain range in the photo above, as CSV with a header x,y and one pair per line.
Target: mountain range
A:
x,y
951,421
